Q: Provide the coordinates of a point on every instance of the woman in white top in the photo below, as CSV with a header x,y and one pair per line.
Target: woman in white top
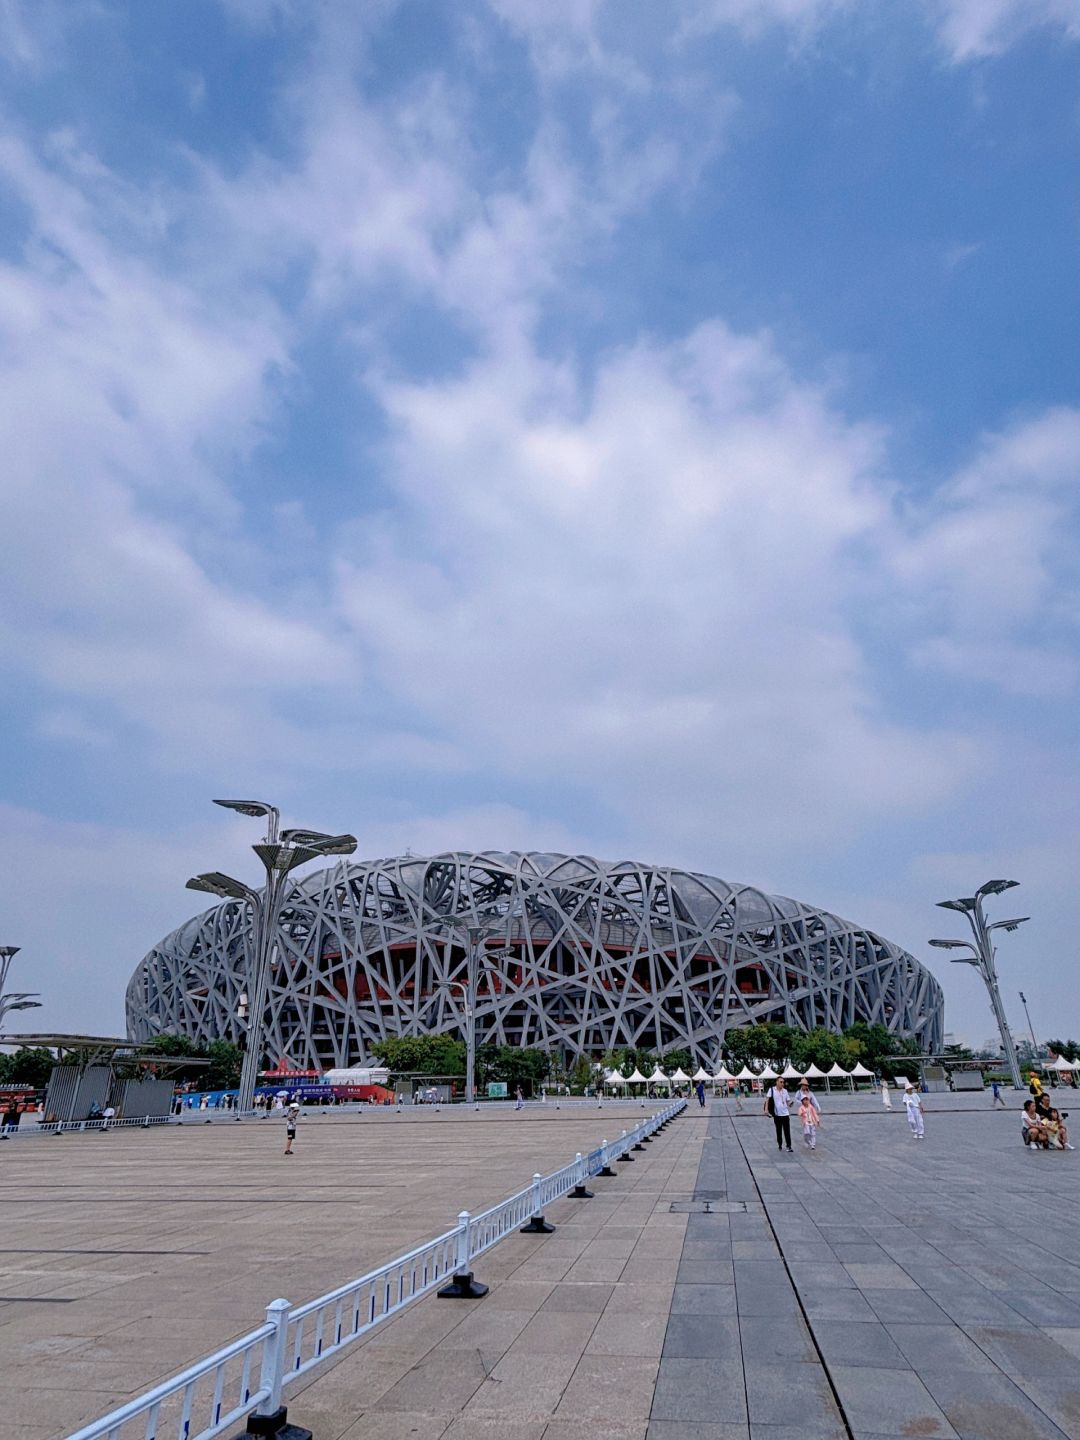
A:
x,y
885,1100
778,1105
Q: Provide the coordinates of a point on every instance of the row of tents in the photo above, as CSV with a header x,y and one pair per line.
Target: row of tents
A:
x,y
724,1076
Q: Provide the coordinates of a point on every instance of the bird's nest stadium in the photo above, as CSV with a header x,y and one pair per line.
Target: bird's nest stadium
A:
x,y
578,957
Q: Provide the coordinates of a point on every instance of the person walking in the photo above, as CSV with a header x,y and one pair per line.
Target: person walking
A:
x,y
291,1116
999,1099
701,1093
778,1105
914,1107
809,1114
885,1100
519,1099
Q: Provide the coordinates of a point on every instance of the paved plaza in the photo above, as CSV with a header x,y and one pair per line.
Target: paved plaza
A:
x,y
713,1290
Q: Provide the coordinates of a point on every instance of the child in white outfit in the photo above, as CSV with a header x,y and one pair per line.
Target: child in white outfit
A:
x,y
914,1107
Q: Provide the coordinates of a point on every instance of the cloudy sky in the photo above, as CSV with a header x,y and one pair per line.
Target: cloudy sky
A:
x,y
568,424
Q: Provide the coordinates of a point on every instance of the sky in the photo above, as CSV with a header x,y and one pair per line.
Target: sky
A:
x,y
648,430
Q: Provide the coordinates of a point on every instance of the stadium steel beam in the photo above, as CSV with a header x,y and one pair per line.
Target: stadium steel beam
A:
x,y
279,857
981,955
602,955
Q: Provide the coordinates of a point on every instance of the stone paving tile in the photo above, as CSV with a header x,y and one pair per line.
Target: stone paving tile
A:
x,y
609,1388
871,1395
781,1394
1023,1350
855,1342
691,1337
990,1407
636,1333
906,1307
700,1390
1058,1397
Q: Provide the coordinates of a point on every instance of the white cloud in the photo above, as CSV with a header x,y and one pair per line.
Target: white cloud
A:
x,y
991,561
642,586
974,29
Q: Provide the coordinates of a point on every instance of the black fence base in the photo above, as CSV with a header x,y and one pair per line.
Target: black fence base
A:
x,y
273,1427
463,1287
537,1225
638,1146
607,1170
579,1192
626,1159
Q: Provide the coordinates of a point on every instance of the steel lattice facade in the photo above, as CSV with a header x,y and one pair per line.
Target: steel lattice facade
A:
x,y
592,956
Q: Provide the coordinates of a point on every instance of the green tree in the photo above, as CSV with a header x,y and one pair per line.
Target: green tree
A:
x,y
28,1066
427,1055
223,1072
514,1065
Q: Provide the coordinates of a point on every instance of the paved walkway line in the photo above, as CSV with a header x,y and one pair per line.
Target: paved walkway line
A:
x,y
566,1345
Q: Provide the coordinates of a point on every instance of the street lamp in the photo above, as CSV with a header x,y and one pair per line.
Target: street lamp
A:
x,y
475,934
7,954
1031,1028
279,855
981,955
18,1001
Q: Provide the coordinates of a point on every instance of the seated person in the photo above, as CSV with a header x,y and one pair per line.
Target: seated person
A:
x,y
1058,1130
1032,1131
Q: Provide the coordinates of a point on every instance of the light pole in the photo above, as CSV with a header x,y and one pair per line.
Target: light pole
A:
x,y
17,1001
280,853
1031,1028
475,934
981,955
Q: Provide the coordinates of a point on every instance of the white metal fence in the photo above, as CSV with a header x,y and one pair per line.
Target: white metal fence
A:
x,y
216,1392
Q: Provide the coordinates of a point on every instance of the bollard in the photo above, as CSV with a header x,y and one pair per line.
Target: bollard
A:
x,y
605,1169
580,1191
462,1286
625,1157
272,1423
536,1225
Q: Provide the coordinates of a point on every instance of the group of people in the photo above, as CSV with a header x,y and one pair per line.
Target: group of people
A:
x,y
1042,1125
779,1102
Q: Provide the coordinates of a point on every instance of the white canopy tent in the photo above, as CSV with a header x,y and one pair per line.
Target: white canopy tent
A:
x,y
790,1073
813,1073
860,1072
768,1073
637,1078
837,1072
680,1077
1062,1066
723,1075
699,1075
614,1077
746,1074
659,1078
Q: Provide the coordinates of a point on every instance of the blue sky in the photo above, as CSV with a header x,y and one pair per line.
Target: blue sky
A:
x,y
570,424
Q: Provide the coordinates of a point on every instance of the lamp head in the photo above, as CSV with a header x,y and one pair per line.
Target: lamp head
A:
x,y
964,906
7,951
319,842
949,944
215,883
995,887
1009,925
257,809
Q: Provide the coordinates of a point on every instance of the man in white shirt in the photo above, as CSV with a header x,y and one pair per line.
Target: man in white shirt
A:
x,y
914,1107
778,1105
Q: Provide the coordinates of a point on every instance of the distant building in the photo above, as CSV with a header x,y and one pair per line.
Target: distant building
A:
x,y
590,956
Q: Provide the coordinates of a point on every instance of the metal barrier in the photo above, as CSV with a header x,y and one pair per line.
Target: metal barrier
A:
x,y
192,1405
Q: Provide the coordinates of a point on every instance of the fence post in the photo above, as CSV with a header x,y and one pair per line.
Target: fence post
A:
x,y
580,1190
625,1157
605,1169
271,1421
462,1286
537,1225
